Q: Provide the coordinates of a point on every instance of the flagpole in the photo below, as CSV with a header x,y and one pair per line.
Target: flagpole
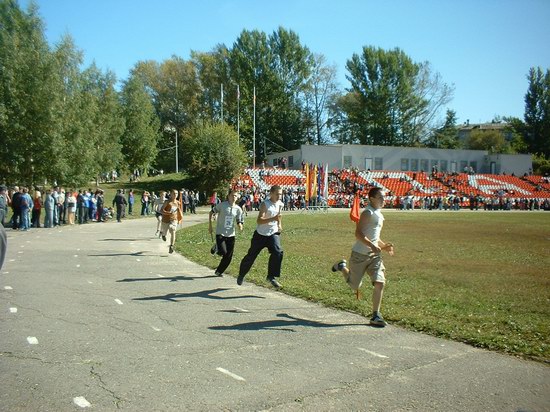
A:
x,y
254,132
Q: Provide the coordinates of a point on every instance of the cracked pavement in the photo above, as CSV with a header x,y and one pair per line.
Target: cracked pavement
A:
x,y
127,326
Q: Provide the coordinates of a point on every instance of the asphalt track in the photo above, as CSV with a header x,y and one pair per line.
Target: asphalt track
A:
x,y
100,317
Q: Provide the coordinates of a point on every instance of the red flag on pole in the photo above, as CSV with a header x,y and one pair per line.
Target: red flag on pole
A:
x,y
355,212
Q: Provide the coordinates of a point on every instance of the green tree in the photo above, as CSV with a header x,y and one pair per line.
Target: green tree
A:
x,y
491,140
398,99
213,156
446,137
174,88
321,91
537,112
140,138
28,144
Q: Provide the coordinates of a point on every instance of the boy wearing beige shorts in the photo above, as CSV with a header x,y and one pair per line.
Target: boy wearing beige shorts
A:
x,y
366,254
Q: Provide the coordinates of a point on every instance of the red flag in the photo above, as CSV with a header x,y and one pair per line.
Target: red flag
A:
x,y
355,212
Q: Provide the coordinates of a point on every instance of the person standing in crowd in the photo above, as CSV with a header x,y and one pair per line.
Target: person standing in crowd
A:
x,y
80,206
16,208
71,206
267,235
100,203
3,204
26,207
120,202
366,254
130,201
49,206
228,212
36,209
171,216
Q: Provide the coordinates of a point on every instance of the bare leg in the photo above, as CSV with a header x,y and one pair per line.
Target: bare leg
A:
x,y
377,296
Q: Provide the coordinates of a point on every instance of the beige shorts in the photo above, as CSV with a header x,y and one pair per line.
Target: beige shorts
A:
x,y
168,227
360,264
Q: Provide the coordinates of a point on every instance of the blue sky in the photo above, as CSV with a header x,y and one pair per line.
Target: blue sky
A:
x,y
483,47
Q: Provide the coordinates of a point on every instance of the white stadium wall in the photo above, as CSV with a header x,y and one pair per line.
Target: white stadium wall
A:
x,y
365,157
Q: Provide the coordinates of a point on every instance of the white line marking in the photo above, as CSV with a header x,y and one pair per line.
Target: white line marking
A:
x,y
8,288
32,340
13,310
23,245
75,255
156,329
159,275
20,252
28,241
373,353
118,301
240,310
77,250
139,260
237,377
82,402
77,266
6,273
90,282
12,260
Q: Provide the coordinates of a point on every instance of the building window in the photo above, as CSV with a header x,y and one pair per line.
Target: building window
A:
x,y
424,165
414,165
443,165
290,161
404,165
378,163
347,162
463,166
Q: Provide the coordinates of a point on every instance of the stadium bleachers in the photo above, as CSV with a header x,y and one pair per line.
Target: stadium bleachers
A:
x,y
399,184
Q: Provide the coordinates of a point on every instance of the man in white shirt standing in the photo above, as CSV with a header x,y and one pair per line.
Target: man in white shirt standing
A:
x,y
267,235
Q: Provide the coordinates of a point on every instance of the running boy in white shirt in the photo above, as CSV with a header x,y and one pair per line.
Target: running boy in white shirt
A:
x,y
366,254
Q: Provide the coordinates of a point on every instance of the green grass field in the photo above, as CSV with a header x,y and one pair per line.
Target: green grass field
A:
x,y
476,277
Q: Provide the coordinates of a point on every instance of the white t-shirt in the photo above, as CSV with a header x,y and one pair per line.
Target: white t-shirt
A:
x,y
273,209
227,214
372,231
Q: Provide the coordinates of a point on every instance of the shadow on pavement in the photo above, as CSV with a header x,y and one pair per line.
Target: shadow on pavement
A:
x,y
283,324
205,294
171,279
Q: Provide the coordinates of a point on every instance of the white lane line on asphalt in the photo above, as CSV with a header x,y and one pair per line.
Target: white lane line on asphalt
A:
x,y
159,275
77,266
139,260
82,402
78,250
32,340
12,260
6,273
373,353
8,288
20,252
118,301
241,310
75,255
237,377
13,310
90,282
156,329
23,245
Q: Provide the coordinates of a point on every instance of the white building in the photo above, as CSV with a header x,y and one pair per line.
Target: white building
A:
x,y
364,157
